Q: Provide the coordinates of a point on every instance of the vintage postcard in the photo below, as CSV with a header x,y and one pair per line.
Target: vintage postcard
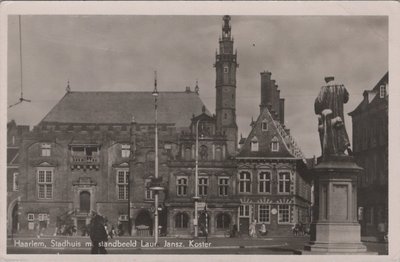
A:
x,y
222,129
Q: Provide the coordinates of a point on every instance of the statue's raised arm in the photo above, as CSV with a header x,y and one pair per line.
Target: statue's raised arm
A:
x,y
329,108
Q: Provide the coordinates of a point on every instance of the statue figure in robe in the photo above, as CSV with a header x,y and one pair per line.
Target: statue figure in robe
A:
x,y
329,108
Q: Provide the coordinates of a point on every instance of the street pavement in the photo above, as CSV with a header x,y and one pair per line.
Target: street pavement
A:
x,y
169,245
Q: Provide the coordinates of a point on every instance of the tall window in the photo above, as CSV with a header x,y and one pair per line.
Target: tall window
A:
x,y
148,194
45,149
203,186
45,184
254,144
264,125
264,182
181,220
382,91
223,184
284,182
122,184
125,150
244,182
274,145
244,211
263,213
181,186
15,181
218,154
283,214
188,154
223,220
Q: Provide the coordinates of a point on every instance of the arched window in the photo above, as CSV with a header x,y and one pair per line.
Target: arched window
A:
x,y
181,220
274,144
223,220
218,154
203,153
254,144
188,154
84,201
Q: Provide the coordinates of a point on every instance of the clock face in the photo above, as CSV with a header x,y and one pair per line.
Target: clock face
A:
x,y
274,211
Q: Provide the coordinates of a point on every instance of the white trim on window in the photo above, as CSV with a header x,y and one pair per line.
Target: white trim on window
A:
x,y
45,183
264,182
266,218
284,214
181,185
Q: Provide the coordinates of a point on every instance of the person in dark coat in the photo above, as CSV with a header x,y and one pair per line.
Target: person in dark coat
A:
x,y
98,235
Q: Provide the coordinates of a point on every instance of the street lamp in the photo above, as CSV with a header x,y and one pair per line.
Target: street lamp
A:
x,y
196,178
130,175
156,188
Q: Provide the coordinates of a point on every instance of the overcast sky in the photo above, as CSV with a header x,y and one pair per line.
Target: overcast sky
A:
x,y
120,53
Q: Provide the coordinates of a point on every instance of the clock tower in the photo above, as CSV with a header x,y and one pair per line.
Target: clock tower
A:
x,y
225,84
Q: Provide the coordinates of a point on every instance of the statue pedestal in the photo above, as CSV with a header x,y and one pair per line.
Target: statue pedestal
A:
x,y
335,228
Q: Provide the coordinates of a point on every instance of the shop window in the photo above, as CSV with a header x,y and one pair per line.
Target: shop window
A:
x,y
264,213
283,214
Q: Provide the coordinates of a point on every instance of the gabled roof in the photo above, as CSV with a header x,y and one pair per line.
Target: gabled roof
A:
x,y
371,97
118,107
264,139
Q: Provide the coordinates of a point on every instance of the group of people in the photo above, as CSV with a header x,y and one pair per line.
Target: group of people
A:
x,y
262,231
300,229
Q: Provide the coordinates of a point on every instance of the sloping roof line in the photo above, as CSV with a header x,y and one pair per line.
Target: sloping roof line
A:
x,y
118,107
253,130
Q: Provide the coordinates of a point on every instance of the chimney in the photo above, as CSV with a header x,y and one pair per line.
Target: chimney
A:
x,y
282,110
265,86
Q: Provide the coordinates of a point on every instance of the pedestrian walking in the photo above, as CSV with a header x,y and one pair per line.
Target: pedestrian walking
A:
x,y
98,235
252,228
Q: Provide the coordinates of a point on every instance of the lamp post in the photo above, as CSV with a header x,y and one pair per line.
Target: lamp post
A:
x,y
130,175
157,187
196,187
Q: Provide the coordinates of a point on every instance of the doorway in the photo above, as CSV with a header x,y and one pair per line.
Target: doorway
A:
x,y
84,202
244,226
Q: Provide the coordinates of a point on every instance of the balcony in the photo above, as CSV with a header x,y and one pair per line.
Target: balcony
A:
x,y
85,157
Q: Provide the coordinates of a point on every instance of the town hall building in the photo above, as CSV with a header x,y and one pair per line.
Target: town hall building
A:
x,y
94,153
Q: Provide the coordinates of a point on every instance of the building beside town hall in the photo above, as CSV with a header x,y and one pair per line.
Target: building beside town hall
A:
x,y
273,184
370,148
88,155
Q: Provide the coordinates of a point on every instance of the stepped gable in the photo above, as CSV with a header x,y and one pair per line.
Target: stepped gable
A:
x,y
118,107
265,138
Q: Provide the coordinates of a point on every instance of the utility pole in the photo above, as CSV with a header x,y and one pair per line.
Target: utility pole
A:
x,y
196,178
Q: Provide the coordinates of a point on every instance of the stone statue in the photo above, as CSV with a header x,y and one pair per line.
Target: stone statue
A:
x,y
329,106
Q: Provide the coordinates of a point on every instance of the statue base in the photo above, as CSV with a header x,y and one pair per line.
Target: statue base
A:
x,y
335,228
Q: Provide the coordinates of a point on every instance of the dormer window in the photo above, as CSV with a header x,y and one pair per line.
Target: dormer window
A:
x,y
45,149
274,145
125,150
254,144
382,91
264,125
